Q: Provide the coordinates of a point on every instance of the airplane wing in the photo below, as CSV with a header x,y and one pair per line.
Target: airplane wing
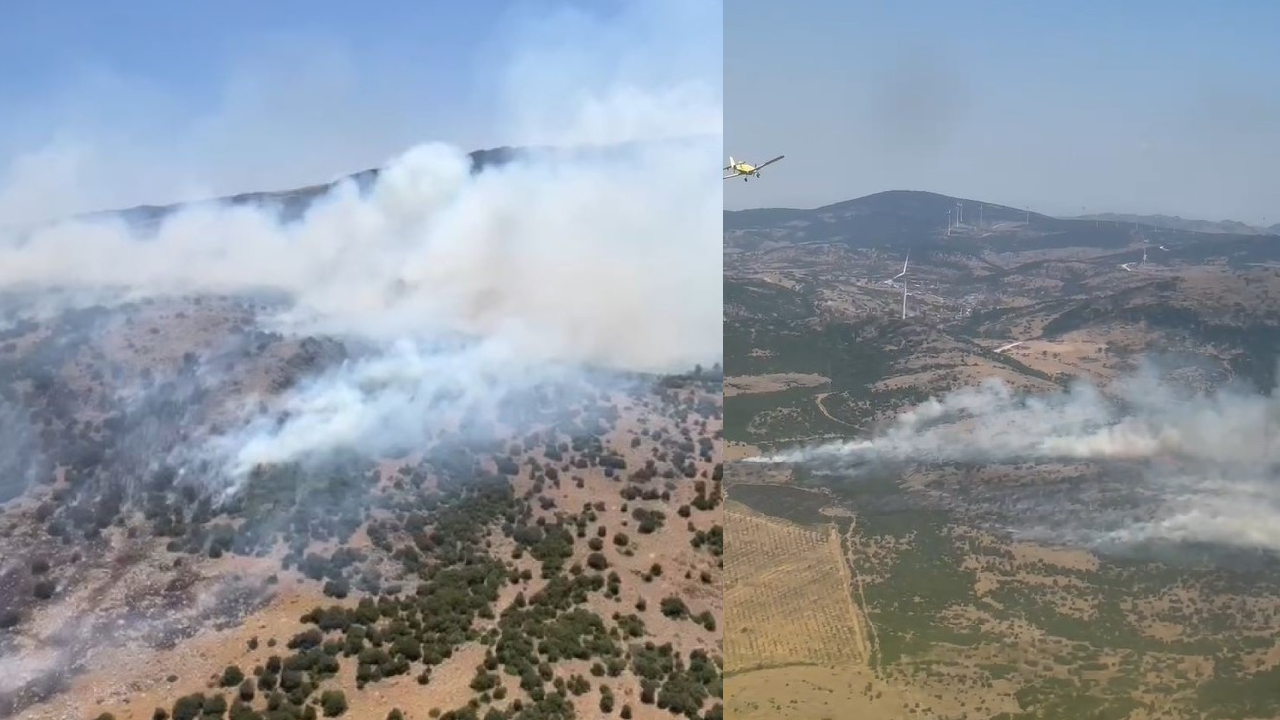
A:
x,y
728,167
770,162
728,177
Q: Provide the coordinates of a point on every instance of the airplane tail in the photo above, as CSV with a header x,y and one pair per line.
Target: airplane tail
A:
x,y
731,163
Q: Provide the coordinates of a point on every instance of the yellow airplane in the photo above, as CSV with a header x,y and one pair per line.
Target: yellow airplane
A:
x,y
745,170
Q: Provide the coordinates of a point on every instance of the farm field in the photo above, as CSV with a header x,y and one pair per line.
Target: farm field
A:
x,y
787,596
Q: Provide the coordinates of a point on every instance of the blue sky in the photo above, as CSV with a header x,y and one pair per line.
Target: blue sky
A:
x,y
149,101
188,47
1135,106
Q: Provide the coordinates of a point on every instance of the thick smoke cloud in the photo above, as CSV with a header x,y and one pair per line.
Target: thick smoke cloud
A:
x,y
1197,466
609,259
469,288
392,403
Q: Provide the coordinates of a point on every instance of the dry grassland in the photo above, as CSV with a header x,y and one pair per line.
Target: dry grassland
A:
x,y
774,382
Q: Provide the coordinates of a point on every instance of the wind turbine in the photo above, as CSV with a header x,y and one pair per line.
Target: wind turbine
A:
x,y
903,275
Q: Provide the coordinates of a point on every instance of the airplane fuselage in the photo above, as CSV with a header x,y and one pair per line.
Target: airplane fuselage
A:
x,y
745,170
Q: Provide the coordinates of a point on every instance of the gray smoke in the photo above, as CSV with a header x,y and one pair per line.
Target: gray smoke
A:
x,y
596,259
470,289
1204,459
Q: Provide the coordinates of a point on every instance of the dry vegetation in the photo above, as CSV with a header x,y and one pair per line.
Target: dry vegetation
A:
x,y
569,567
967,622
770,383
788,596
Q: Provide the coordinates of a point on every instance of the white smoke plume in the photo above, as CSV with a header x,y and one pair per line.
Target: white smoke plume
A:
x,y
391,403
579,258
1204,459
1140,419
605,258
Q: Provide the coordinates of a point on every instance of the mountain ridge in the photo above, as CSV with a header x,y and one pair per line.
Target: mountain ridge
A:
x,y
292,202
945,202
899,219
1177,222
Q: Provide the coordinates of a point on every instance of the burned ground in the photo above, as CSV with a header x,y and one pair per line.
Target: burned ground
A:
x,y
565,565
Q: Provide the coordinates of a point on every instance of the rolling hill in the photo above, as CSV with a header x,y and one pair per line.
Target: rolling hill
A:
x,y
902,219
984,586
293,202
1178,223
503,563
1040,283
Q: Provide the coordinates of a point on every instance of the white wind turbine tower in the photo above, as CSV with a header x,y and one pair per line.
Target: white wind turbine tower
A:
x,y
903,275
949,223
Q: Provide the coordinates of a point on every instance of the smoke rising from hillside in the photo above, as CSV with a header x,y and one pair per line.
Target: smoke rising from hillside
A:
x,y
603,260
1139,418
391,403
1205,459
606,258
460,305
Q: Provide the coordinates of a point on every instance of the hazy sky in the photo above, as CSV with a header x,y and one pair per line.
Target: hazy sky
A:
x,y
117,103
1138,106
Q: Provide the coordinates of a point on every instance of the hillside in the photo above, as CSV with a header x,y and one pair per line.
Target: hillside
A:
x,y
900,220
1026,474
1074,289
536,542
292,203
1178,223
